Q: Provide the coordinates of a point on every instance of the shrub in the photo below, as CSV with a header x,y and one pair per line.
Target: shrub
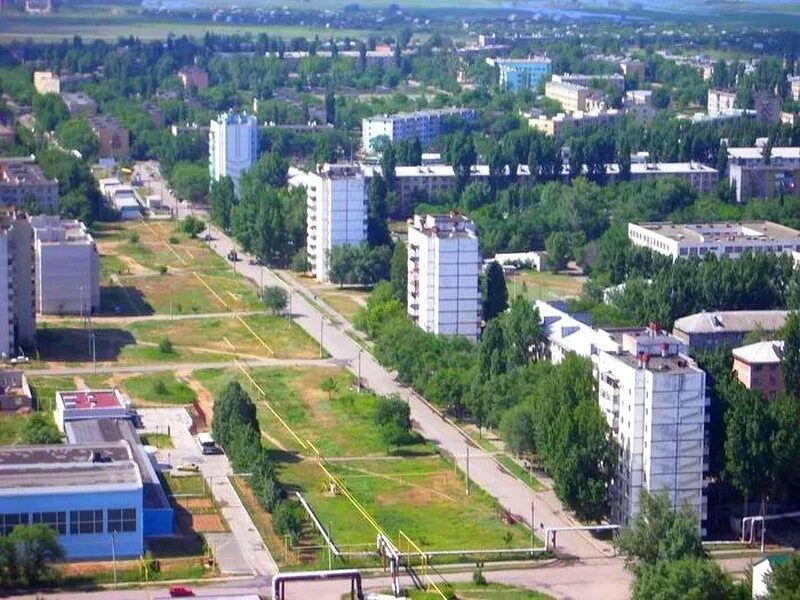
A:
x,y
159,387
191,226
165,346
162,269
478,578
287,519
173,239
133,237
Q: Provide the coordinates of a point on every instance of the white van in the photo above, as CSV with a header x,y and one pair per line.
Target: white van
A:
x,y
207,444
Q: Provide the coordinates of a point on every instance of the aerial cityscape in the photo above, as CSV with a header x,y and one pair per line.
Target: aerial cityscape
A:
x,y
478,300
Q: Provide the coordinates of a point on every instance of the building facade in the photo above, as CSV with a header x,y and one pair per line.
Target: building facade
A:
x,y
191,76
794,87
336,201
720,101
758,367
113,139
571,96
79,104
424,125
21,180
725,329
46,82
521,73
722,238
701,178
67,267
443,265
17,302
755,175
563,124
232,146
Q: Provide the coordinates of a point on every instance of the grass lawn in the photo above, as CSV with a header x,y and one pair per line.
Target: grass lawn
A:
x,y
159,440
507,461
346,302
158,388
544,286
177,485
45,388
470,591
11,425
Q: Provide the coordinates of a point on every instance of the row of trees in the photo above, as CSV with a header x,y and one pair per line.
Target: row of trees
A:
x,y
236,429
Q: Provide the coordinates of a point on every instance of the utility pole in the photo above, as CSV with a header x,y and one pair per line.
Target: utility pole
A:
x,y
532,523
114,556
359,370
321,329
94,353
290,309
467,473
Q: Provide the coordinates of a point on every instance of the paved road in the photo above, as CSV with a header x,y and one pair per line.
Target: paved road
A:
x,y
187,366
512,494
243,551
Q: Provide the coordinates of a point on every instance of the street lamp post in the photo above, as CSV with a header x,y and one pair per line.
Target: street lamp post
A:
x,y
321,330
94,353
114,556
359,370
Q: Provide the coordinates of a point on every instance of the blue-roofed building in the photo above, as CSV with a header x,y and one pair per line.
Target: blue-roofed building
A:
x,y
521,73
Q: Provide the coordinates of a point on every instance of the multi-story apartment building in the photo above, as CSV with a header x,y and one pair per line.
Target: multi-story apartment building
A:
x,y
754,174
20,179
113,139
721,238
634,69
577,122
425,125
79,104
336,201
443,264
794,87
639,104
191,76
67,271
701,178
653,397
725,329
572,96
720,101
521,73
767,107
758,367
46,82
17,302
616,80
232,146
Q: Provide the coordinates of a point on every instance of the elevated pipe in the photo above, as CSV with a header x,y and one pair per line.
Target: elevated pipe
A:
x,y
280,580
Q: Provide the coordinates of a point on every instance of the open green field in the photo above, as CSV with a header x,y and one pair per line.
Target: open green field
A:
x,y
11,425
156,389
492,591
414,491
536,285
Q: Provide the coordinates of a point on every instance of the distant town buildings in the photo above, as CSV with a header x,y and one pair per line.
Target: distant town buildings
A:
x,y
17,302
571,96
634,69
425,125
521,73
191,76
79,104
701,178
67,267
46,82
759,173
155,113
562,124
767,107
443,264
113,139
38,7
721,238
758,367
22,180
720,101
232,146
614,80
336,200
794,87
725,329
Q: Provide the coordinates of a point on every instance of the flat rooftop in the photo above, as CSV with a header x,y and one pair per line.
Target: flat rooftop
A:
x,y
421,114
699,233
87,400
21,172
731,321
105,122
755,153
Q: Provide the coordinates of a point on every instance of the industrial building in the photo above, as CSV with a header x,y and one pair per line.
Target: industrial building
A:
x,y
232,146
711,330
336,200
122,197
21,179
424,125
67,267
758,367
443,264
754,175
113,139
521,73
17,302
723,238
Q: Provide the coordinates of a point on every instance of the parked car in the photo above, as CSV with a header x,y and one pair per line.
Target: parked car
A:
x,y
180,591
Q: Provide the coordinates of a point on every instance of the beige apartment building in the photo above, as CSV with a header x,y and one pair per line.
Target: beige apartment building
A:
x,y
571,96
720,101
112,137
46,82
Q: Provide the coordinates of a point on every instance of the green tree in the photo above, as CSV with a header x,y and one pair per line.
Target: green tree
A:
x,y
191,226
460,154
35,549
688,577
790,361
516,429
393,418
524,334
784,583
330,107
492,350
190,181
388,165
221,199
40,429
398,272
495,293
559,250
275,298
660,532
76,134
49,110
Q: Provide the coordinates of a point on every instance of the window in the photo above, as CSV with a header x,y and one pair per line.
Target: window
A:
x,y
10,520
85,521
122,519
55,520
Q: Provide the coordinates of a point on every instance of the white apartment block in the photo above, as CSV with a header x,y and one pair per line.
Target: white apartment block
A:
x,y
336,199
722,238
67,267
443,264
653,397
425,125
752,176
794,87
17,312
232,146
720,101
701,178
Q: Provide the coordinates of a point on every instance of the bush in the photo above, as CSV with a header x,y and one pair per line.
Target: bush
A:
x,y
174,239
40,429
162,269
159,387
191,226
393,418
287,519
165,346
133,237
478,578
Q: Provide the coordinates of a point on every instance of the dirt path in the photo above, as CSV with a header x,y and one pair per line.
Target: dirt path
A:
x,y
204,398
80,383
